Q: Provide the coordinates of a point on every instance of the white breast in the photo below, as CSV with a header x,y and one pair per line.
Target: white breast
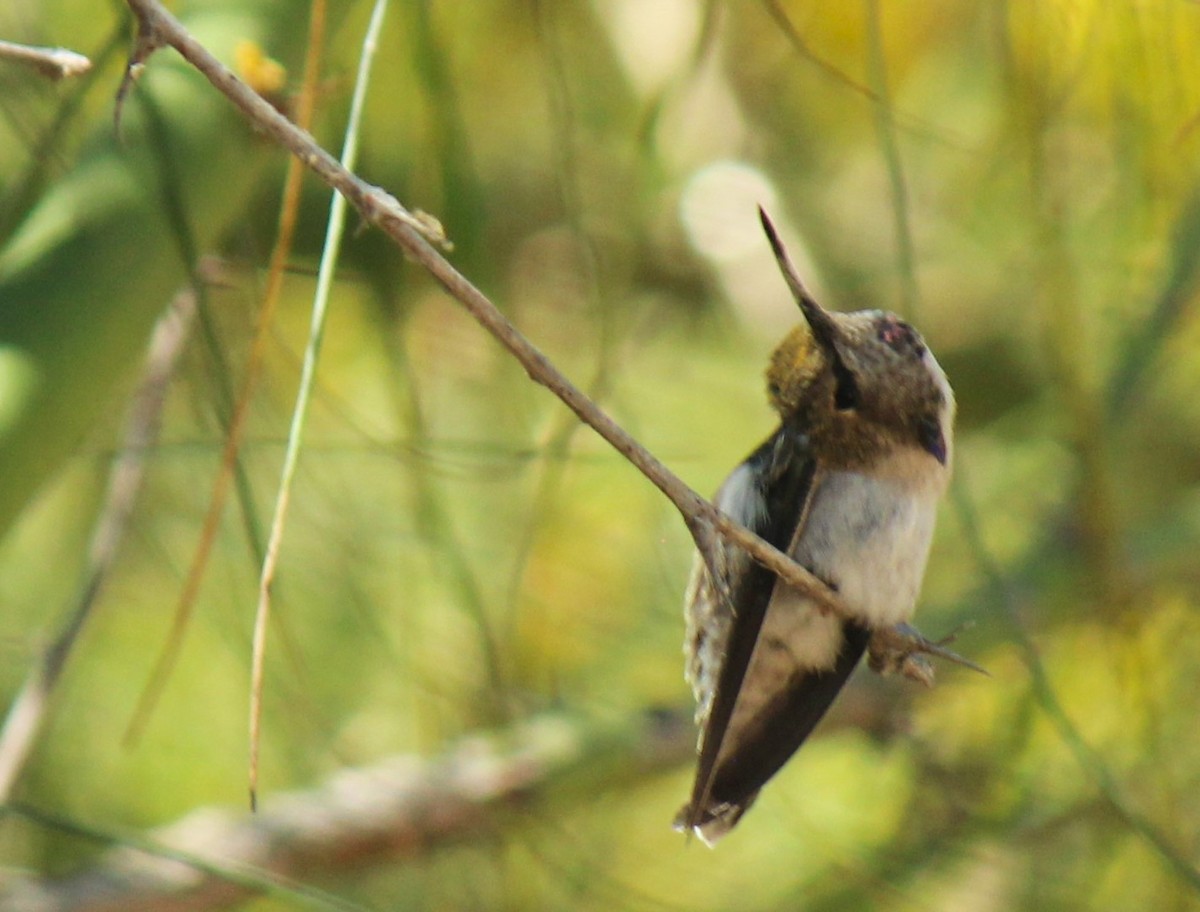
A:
x,y
869,535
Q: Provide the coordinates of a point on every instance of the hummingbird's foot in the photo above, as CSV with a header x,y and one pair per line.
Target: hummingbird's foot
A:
x,y
904,649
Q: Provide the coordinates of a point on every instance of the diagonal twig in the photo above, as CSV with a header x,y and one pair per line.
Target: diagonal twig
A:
x,y
416,233
1087,757
27,713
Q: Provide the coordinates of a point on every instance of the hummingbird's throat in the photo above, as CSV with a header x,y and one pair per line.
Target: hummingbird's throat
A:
x,y
795,364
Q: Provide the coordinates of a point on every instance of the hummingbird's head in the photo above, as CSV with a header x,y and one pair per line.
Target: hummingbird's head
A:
x,y
859,385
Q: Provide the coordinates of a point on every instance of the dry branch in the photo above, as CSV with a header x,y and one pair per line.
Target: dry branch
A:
x,y
413,233
397,809
27,713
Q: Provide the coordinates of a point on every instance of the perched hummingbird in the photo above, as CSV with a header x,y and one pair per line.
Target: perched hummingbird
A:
x,y
848,486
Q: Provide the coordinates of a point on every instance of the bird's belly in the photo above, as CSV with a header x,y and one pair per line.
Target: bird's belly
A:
x,y
869,537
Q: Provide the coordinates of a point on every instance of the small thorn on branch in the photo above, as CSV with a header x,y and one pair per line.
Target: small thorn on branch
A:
x,y
903,649
149,39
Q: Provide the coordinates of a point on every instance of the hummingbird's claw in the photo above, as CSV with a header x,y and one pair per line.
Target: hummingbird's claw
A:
x,y
903,649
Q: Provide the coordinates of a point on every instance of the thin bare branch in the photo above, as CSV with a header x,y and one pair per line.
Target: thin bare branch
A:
x,y
1087,757
56,63
913,125
415,234
398,809
28,710
393,811
885,128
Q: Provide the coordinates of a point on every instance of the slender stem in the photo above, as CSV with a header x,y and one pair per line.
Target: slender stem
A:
x,y
289,209
27,714
308,371
885,126
1087,757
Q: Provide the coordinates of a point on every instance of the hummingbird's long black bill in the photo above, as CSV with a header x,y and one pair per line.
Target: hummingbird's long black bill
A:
x,y
823,327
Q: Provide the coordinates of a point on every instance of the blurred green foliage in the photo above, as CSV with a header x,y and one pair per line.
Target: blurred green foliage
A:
x,y
460,554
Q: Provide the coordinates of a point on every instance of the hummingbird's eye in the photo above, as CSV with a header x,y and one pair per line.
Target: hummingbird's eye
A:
x,y
900,337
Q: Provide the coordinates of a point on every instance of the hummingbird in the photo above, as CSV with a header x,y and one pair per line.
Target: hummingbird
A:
x,y
848,486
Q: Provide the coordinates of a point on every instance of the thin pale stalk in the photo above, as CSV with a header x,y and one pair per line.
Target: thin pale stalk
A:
x,y
288,212
27,714
885,127
325,273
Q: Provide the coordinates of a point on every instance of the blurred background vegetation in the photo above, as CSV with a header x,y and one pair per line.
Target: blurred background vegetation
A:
x,y
1018,179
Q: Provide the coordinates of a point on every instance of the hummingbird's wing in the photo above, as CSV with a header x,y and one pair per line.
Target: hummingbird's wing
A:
x,y
765,665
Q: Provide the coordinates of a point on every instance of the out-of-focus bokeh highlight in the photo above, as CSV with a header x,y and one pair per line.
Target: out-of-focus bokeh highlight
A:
x,y
1019,180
